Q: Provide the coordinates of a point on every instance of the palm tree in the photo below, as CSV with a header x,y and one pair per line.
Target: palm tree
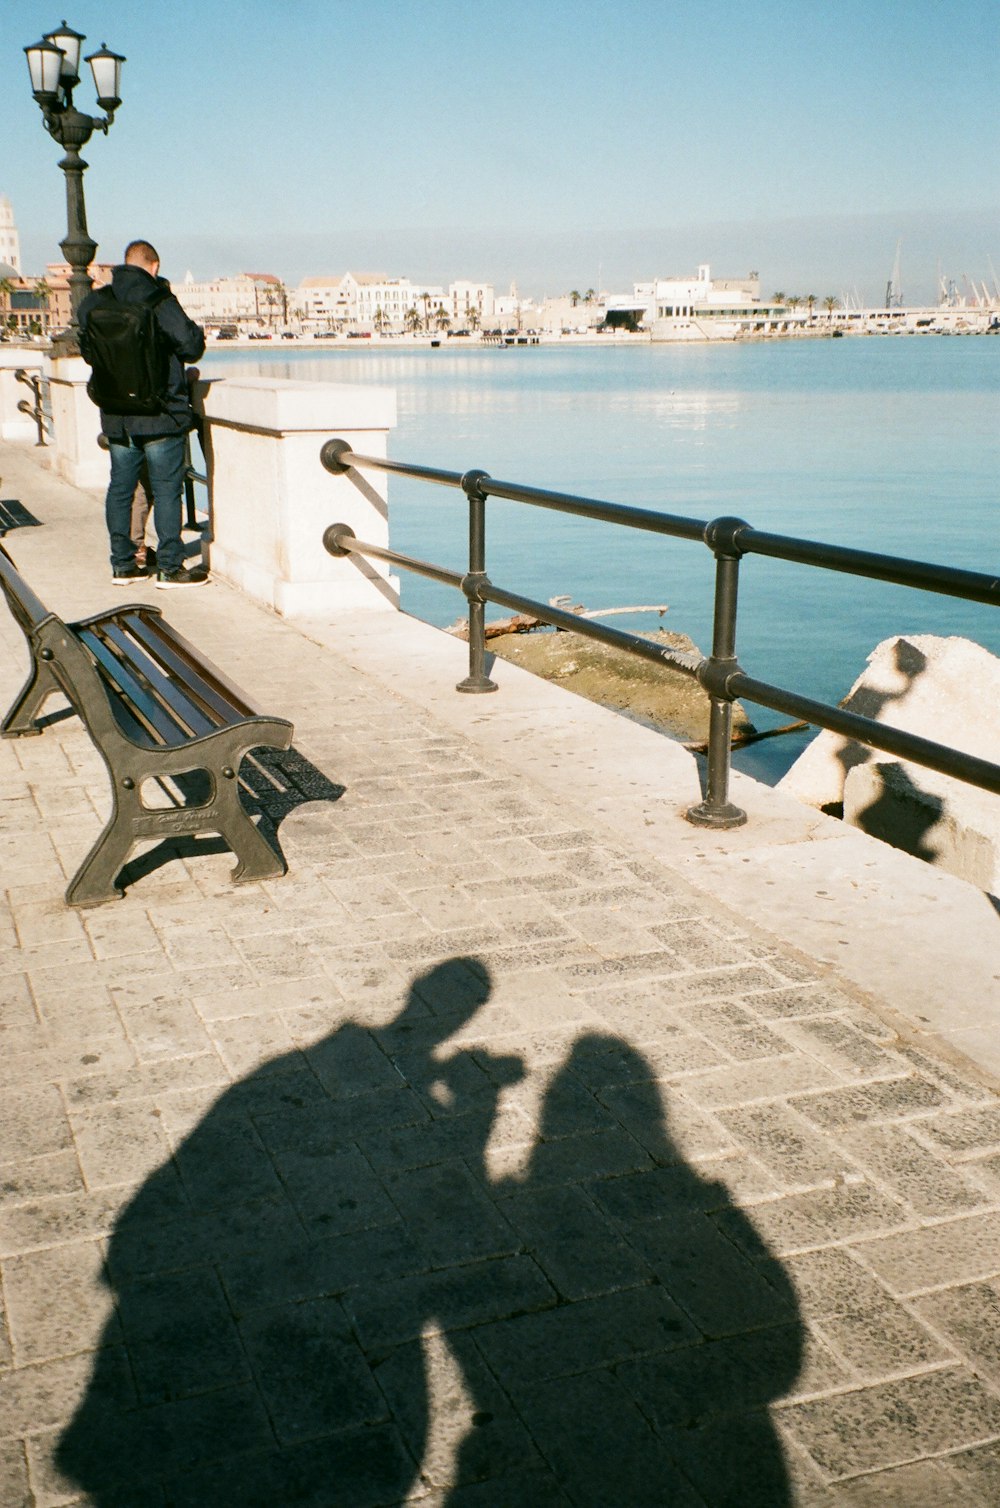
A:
x,y
411,319
441,317
778,298
574,298
829,304
811,301
472,317
589,296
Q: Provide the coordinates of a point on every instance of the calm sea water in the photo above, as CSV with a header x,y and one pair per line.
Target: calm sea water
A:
x,y
888,444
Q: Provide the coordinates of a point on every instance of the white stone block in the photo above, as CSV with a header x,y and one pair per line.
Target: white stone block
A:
x,y
934,817
943,689
272,499
76,425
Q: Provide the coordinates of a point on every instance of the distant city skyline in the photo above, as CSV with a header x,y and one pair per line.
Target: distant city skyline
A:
x,y
550,144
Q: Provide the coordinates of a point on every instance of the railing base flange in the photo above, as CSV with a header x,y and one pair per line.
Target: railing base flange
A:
x,y
475,685
704,815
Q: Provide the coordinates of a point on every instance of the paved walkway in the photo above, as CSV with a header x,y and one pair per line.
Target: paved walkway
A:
x,y
483,1159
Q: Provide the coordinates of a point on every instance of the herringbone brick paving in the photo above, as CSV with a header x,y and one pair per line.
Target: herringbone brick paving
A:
x,y
478,1161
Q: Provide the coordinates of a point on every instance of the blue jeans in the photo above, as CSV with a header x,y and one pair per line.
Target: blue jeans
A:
x,y
167,462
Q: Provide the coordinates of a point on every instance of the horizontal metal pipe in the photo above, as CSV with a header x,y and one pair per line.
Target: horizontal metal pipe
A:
x,y
561,502
591,507
347,457
347,543
935,756
974,586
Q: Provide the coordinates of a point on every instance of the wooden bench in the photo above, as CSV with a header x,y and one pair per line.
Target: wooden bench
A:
x,y
157,711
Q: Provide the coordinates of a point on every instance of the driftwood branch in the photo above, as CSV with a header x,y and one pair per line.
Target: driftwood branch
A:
x,y
741,739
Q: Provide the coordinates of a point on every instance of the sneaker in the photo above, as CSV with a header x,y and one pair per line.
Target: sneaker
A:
x,y
126,575
197,576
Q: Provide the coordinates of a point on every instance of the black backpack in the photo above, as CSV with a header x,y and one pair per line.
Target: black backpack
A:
x,y
129,354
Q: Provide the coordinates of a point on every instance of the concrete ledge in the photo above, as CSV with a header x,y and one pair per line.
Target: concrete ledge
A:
x,y
278,407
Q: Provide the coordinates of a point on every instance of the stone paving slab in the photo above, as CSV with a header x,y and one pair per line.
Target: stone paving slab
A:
x,y
479,1160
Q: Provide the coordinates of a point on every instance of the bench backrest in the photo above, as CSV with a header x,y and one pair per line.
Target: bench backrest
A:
x,y
28,609
162,691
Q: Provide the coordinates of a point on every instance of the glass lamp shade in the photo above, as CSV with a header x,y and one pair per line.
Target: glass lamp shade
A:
x,y
106,66
45,63
68,42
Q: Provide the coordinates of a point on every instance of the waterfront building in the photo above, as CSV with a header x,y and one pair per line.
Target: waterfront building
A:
x,y
249,299
703,308
470,301
368,301
10,244
321,303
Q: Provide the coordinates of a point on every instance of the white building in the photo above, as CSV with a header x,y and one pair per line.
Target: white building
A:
x,y
366,300
10,244
700,308
467,299
322,303
251,298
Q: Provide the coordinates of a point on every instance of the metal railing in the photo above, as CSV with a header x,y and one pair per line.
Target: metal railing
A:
x,y
37,409
720,673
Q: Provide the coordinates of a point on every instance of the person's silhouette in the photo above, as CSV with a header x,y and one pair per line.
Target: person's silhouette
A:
x,y
274,1279
655,1371
239,1265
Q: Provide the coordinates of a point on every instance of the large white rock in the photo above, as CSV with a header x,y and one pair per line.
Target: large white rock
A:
x,y
947,690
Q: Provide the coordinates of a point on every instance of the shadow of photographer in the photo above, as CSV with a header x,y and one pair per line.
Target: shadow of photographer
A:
x,y
287,1285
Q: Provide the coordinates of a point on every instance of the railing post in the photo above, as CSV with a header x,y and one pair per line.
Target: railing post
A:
x,y
477,680
717,810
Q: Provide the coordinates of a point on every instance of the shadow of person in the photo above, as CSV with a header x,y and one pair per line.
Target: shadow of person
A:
x,y
649,1381
326,1258
235,1368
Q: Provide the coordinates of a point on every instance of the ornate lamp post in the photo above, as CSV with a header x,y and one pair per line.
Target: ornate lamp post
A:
x,y
54,65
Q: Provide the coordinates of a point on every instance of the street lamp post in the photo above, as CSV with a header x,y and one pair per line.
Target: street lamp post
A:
x,y
54,66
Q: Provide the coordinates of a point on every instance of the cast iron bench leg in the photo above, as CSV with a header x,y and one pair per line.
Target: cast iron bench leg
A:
x,y
41,683
94,881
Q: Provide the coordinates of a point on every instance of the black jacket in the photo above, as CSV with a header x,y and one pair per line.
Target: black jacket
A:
x,y
134,285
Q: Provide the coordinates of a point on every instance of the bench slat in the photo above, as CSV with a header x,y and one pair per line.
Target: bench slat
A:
x,y
186,710
156,724
198,673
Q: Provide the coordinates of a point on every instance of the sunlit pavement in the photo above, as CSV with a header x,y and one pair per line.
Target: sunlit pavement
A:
x,y
515,1148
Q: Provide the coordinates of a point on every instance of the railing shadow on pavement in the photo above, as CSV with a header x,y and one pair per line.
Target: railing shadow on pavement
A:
x,y
328,1243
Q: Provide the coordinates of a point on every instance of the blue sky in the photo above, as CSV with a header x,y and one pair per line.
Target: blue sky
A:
x,y
553,144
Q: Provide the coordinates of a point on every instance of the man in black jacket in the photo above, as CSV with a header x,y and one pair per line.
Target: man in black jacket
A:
x,y
158,439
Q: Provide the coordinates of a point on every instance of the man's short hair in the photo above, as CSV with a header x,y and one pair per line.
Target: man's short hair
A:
x,y
141,253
